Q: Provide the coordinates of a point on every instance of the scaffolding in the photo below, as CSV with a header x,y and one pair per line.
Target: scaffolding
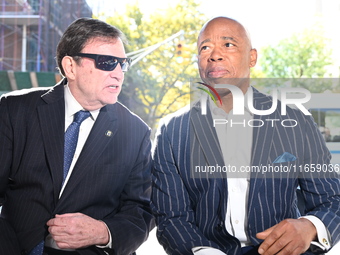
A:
x,y
30,31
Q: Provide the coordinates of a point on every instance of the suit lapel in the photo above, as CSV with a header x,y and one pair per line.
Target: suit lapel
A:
x,y
204,134
101,135
262,136
52,123
203,130
262,145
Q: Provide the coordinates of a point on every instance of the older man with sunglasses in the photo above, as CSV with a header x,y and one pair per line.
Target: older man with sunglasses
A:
x,y
75,163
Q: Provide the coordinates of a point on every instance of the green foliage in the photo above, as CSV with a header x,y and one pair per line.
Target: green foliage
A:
x,y
303,55
158,84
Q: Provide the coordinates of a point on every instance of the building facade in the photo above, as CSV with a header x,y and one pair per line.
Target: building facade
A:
x,y
31,29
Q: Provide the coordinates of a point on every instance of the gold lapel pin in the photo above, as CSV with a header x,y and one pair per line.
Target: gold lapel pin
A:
x,y
108,133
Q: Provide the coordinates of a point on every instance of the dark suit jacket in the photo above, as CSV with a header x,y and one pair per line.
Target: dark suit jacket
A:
x,y
190,209
111,180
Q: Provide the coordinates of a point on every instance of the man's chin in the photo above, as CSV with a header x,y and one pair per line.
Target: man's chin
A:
x,y
226,81
223,92
238,82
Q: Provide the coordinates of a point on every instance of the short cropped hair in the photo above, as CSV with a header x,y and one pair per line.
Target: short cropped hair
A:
x,y
80,32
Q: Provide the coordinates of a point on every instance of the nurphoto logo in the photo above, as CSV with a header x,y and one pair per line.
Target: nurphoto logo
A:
x,y
239,99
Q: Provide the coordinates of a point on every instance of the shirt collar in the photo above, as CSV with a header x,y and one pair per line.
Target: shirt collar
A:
x,y
220,112
72,106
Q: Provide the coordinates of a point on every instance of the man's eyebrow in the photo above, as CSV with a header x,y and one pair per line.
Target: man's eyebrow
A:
x,y
227,38
204,41
224,38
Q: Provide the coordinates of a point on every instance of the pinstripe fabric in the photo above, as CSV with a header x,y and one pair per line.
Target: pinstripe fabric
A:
x,y
190,211
110,181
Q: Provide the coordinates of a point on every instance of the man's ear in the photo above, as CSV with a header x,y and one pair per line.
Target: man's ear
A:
x,y
253,57
68,64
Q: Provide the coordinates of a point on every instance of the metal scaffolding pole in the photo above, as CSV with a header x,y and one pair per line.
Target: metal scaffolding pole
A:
x,y
139,54
39,36
24,48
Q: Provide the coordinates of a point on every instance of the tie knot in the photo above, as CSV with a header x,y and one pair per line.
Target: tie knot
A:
x,y
80,116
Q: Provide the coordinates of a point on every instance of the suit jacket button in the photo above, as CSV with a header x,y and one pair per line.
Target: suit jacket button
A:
x,y
24,252
219,227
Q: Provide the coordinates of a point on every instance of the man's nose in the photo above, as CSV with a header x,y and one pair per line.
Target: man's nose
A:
x,y
216,55
117,73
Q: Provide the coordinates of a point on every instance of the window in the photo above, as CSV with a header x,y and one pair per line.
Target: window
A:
x,y
328,121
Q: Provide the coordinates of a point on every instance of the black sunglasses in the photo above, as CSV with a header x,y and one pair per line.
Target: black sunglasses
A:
x,y
107,62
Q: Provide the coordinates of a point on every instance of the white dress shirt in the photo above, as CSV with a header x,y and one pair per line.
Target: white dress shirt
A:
x,y
235,139
71,108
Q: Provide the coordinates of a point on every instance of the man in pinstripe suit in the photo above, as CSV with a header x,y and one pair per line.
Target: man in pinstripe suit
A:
x,y
102,206
239,212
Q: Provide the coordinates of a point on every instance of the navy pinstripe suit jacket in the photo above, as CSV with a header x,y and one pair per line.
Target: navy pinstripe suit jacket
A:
x,y
191,211
111,180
